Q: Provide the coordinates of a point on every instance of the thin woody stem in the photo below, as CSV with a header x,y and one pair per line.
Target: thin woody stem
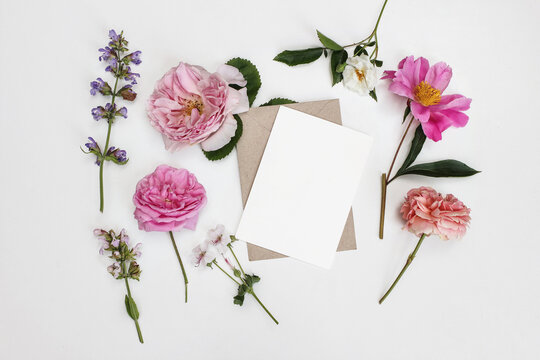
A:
x,y
409,261
385,181
180,261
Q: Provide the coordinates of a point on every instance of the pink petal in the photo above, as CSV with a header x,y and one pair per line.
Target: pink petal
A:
x,y
432,131
221,137
399,88
421,112
388,74
172,145
439,75
231,75
237,101
189,77
454,102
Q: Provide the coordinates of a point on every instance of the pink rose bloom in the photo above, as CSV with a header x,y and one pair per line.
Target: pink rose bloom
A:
x,y
168,199
191,106
424,86
427,212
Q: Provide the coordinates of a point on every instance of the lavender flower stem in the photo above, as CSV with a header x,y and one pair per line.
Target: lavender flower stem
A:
x,y
180,261
226,273
101,197
409,261
139,333
264,307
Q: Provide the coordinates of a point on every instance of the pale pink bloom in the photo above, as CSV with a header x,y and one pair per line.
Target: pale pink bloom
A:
x,y
428,212
424,86
123,237
168,199
114,269
217,238
136,251
203,254
189,105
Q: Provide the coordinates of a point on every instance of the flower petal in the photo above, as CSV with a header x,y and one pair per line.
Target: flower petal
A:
x,y
432,131
439,75
231,75
421,112
222,136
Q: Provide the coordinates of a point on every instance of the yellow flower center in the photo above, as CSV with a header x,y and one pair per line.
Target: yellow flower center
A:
x,y
189,105
359,74
426,94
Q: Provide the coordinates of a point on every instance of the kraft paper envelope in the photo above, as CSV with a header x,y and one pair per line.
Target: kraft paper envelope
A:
x,y
258,124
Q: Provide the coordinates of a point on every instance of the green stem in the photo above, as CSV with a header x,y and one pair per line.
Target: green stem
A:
x,y
226,273
104,150
180,261
374,32
139,333
235,258
262,305
409,261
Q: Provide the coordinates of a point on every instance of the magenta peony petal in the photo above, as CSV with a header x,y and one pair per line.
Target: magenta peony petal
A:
x,y
421,112
388,74
432,131
439,76
454,102
221,137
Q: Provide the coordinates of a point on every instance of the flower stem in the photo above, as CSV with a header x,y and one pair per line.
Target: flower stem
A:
x,y
409,261
238,262
373,33
262,305
226,273
385,182
139,333
104,151
180,261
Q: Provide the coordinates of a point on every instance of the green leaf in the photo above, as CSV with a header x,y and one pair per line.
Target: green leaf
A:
x,y
278,101
297,57
371,43
239,300
131,308
373,94
226,150
325,52
359,50
443,168
251,74
341,67
416,145
255,278
407,112
377,63
338,58
327,42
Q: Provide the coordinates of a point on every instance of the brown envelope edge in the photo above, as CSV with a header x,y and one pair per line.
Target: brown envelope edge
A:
x,y
258,124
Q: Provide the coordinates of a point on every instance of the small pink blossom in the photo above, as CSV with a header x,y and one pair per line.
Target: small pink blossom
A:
x,y
217,238
168,199
203,254
114,269
428,212
189,105
424,86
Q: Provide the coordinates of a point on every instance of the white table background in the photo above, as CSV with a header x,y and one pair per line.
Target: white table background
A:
x,y
472,299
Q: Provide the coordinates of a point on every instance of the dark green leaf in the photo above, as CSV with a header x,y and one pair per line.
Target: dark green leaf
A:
x,y
297,57
239,300
131,308
377,63
278,101
327,42
338,58
248,280
444,168
341,67
371,43
407,112
242,289
255,278
226,150
251,74
373,94
325,52
416,145
359,50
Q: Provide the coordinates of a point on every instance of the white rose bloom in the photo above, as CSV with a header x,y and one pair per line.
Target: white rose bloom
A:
x,y
360,75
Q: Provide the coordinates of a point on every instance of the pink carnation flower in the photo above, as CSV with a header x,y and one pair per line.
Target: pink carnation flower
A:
x,y
168,199
427,212
424,86
189,105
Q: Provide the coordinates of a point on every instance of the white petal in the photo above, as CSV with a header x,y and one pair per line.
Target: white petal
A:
x,y
231,75
221,137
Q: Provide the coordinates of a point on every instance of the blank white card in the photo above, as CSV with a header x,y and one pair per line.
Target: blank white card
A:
x,y
304,188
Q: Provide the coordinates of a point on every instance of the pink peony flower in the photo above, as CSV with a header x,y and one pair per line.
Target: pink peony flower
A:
x,y
168,199
427,212
424,86
189,105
